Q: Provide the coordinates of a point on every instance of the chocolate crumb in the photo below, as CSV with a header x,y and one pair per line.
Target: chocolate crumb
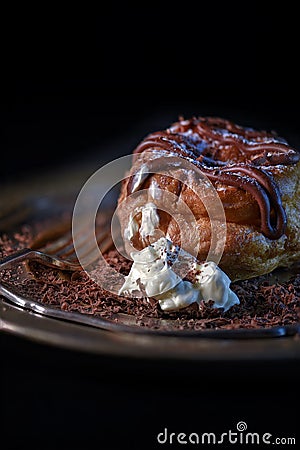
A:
x,y
264,303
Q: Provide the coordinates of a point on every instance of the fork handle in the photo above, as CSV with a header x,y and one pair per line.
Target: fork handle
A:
x,y
18,256
35,255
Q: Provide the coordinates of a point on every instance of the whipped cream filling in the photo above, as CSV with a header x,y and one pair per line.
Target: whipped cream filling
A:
x,y
149,223
155,271
152,275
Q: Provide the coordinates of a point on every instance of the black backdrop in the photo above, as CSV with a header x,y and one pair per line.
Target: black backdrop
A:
x,y
75,83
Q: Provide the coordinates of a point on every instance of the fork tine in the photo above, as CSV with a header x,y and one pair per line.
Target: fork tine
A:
x,y
108,243
53,243
55,248
104,241
61,246
50,236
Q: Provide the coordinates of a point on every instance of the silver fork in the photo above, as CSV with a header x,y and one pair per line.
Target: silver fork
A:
x,y
55,248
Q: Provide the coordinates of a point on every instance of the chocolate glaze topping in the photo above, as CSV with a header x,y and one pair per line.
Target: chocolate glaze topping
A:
x,y
231,155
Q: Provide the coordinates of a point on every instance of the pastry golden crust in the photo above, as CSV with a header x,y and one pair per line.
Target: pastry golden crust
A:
x,y
257,177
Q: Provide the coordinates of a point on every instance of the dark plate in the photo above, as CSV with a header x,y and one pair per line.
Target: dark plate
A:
x,y
28,318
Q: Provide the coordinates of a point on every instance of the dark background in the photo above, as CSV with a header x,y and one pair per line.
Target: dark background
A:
x,y
82,85
80,82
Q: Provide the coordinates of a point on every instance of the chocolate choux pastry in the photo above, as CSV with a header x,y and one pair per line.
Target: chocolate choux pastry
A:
x,y
257,177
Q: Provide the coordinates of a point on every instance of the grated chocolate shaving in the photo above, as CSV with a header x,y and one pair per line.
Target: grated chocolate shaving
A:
x,y
264,302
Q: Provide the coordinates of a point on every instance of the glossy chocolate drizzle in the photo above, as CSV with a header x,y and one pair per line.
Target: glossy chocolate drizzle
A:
x,y
205,141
